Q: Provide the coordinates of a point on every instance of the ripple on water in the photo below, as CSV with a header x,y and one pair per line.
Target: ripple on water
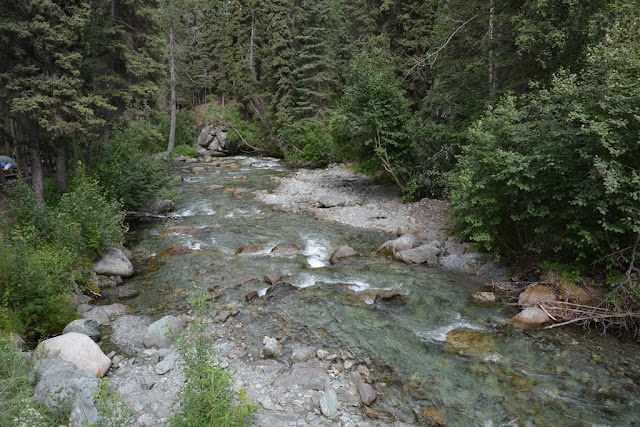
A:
x,y
440,334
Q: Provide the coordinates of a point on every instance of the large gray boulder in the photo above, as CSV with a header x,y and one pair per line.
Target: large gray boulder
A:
x,y
78,349
331,201
426,253
161,207
113,263
128,333
60,382
103,314
402,243
84,326
342,253
216,139
159,332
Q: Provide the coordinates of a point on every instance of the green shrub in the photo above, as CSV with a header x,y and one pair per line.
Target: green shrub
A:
x,y
557,172
310,140
185,125
208,397
130,175
242,131
185,150
111,409
17,405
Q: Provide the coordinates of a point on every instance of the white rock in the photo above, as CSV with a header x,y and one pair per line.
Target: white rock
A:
x,y
78,349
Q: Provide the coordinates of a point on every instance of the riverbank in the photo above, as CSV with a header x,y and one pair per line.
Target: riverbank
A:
x,y
338,194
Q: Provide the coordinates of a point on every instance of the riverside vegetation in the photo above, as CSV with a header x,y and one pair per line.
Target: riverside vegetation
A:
x,y
525,115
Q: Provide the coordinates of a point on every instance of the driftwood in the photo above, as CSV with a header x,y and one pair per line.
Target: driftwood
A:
x,y
145,216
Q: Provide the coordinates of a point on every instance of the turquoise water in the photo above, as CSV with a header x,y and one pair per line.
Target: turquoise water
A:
x,y
514,377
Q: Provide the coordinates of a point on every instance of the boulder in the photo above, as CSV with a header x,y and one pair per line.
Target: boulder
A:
x,y
307,376
329,201
402,243
176,250
87,327
531,318
279,292
536,294
159,332
105,313
389,297
329,403
434,416
426,253
78,349
128,333
274,279
214,187
161,207
272,348
249,249
59,382
470,343
483,297
366,392
303,353
342,253
113,263
285,248
216,139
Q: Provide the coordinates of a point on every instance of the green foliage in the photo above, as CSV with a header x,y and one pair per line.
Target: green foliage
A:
x,y
128,172
17,405
185,150
208,397
376,113
310,141
99,220
185,123
242,131
111,410
558,171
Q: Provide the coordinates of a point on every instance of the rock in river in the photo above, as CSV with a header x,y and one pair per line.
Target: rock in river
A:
x,y
531,318
342,253
470,343
536,294
113,263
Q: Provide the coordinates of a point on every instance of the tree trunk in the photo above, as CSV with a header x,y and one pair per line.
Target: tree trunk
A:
x,y
61,170
252,65
172,70
37,176
492,71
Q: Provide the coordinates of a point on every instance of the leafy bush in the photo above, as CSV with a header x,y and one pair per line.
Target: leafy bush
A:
x,y
310,140
185,124
558,171
130,175
375,116
111,409
208,397
17,405
185,150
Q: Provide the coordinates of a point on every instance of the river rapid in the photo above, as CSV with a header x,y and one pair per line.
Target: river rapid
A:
x,y
507,376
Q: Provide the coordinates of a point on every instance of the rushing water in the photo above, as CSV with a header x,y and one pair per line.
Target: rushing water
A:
x,y
511,377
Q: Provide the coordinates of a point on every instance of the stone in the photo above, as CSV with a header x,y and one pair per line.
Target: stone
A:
x,y
483,297
180,229
222,316
422,254
176,250
329,404
246,279
342,253
402,243
303,353
159,333
349,397
286,248
288,206
250,296
109,281
113,263
272,348
60,381
389,296
330,201
433,416
274,279
197,170
78,349
367,392
279,292
128,333
536,294
105,313
161,207
469,343
531,318
249,249
307,376
84,326
321,354
214,187
165,365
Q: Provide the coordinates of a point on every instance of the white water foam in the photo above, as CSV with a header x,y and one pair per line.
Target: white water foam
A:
x,y
195,246
317,251
202,207
306,280
262,292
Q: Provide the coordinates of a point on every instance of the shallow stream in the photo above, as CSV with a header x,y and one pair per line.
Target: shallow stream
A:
x,y
509,377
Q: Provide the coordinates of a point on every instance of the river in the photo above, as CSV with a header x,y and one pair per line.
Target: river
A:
x,y
508,377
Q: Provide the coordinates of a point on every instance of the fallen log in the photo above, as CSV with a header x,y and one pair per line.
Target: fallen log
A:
x,y
145,216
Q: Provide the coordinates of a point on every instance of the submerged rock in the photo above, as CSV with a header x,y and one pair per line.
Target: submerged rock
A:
x,y
470,343
78,349
180,229
249,249
279,292
434,416
484,297
176,250
285,248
